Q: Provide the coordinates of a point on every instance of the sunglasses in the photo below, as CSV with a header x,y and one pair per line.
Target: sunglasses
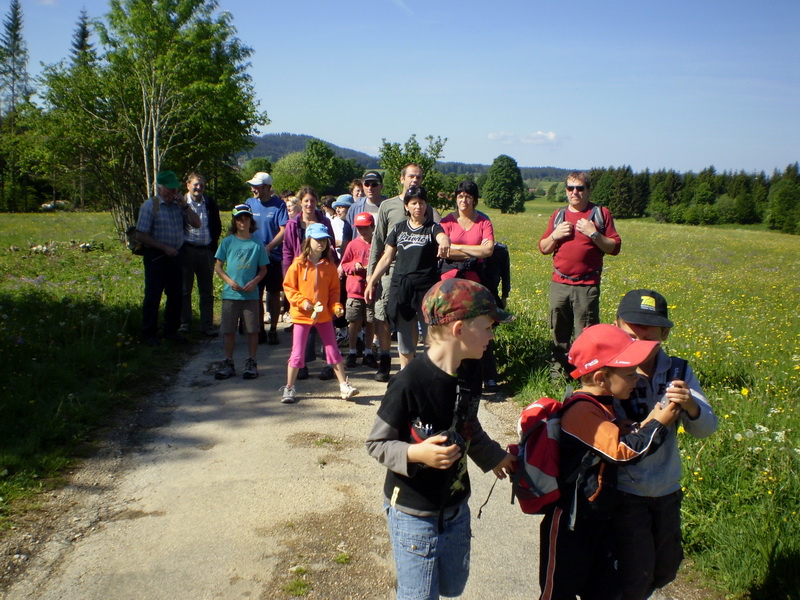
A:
x,y
371,184
576,188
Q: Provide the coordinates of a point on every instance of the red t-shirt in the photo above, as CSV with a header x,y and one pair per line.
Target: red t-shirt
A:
x,y
577,255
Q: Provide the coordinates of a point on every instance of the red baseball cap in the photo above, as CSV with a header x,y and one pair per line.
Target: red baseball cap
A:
x,y
607,346
363,220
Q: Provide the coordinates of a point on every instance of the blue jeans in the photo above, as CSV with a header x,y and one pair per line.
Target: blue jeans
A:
x,y
429,564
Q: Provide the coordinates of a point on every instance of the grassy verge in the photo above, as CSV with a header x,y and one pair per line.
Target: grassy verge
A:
x,y
69,351
734,298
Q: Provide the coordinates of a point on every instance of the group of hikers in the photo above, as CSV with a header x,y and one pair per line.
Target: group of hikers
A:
x,y
372,266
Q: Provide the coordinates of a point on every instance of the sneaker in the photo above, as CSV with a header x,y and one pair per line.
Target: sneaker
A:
x,y
185,329
326,373
369,361
351,362
225,370
384,368
302,373
250,369
346,390
272,337
288,394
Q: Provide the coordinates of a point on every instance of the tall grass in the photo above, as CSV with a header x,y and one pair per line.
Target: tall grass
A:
x,y
733,296
69,351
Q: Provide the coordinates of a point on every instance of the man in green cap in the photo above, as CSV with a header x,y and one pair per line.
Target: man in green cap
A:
x,y
160,228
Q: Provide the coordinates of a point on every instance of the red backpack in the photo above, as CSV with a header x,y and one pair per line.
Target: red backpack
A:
x,y
535,473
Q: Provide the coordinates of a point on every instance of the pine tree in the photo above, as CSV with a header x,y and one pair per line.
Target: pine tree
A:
x,y
14,78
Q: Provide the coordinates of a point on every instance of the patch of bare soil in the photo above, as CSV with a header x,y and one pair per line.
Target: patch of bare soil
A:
x,y
336,555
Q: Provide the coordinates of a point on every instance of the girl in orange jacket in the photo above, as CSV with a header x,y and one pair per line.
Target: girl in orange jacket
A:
x,y
311,285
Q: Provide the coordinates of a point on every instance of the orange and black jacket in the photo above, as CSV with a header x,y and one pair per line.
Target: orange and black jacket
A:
x,y
589,428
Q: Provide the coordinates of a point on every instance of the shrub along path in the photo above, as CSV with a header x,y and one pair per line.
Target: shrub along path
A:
x,y
216,489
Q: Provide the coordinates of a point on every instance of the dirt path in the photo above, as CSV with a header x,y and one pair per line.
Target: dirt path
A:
x,y
220,491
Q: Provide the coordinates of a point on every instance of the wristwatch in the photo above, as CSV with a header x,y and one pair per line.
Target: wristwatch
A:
x,y
595,235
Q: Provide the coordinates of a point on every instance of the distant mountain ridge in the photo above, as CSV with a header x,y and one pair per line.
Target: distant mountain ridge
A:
x,y
275,146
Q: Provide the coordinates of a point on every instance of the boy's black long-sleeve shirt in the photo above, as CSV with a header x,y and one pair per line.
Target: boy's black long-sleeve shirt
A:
x,y
423,392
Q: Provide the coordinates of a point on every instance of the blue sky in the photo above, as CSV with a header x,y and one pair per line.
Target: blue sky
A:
x,y
572,84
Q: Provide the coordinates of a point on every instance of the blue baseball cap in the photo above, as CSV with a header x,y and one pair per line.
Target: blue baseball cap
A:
x,y
318,231
344,200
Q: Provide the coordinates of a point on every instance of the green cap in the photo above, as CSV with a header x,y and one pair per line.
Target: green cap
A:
x,y
168,179
459,299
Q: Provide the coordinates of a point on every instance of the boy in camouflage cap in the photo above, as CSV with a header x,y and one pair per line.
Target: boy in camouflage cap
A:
x,y
426,426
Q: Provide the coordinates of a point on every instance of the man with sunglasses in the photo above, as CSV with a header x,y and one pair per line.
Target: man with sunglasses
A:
x,y
372,183
578,237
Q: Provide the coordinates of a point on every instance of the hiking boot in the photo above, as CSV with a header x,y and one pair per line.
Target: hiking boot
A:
x,y
175,338
369,361
346,390
225,370
288,394
272,337
491,386
327,373
384,368
250,369
302,373
351,362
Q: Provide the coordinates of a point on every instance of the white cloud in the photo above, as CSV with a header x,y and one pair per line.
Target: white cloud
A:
x,y
502,136
541,138
47,2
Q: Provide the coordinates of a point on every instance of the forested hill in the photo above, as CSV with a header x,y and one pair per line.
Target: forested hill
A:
x,y
275,146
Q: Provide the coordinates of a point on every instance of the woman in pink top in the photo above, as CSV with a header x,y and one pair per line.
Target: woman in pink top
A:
x,y
470,233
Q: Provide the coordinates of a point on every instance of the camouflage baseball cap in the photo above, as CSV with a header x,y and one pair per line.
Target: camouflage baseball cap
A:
x,y
459,299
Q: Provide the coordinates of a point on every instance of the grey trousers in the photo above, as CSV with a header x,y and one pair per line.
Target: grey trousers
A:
x,y
572,307
198,262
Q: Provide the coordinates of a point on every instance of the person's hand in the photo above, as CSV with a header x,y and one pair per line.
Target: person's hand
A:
x,y
359,267
235,286
170,251
564,230
679,393
665,415
503,468
444,249
431,452
306,306
369,292
585,226
249,286
338,310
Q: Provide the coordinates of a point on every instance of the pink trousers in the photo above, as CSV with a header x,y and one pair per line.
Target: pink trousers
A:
x,y
326,333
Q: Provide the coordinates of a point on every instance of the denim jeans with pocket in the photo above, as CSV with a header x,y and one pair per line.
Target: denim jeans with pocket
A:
x,y
429,564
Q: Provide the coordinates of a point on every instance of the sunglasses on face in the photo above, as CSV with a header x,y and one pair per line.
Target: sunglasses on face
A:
x,y
371,184
576,188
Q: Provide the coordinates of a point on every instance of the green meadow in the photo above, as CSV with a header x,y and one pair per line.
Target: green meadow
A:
x,y
70,358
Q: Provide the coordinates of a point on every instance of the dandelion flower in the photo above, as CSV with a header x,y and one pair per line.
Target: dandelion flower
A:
x,y
745,392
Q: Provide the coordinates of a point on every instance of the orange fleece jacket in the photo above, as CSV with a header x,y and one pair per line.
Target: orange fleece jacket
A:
x,y
316,283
